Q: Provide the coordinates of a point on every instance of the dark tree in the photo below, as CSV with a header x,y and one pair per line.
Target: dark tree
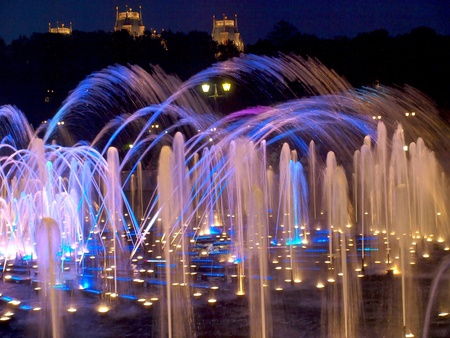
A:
x,y
227,51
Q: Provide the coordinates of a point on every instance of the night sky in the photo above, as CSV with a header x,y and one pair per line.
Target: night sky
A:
x,y
324,18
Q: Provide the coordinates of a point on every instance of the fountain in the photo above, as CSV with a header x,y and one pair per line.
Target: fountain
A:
x,y
334,203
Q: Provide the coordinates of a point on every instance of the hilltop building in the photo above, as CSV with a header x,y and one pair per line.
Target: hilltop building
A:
x,y
60,30
226,29
130,21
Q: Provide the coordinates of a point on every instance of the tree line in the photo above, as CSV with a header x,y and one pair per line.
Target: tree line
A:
x,y
38,72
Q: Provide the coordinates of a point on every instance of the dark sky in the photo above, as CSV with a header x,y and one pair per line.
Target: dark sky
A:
x,y
324,18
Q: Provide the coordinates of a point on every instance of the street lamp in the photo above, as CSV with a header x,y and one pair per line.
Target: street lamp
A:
x,y
206,87
226,86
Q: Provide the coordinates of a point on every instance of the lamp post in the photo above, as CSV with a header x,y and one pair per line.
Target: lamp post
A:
x,y
206,87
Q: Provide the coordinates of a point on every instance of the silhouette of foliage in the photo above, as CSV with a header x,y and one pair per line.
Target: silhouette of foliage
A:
x,y
38,72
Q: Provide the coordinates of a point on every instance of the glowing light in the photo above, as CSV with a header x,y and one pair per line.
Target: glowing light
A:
x,y
103,309
320,285
197,294
226,86
205,87
71,309
212,301
443,314
395,270
147,303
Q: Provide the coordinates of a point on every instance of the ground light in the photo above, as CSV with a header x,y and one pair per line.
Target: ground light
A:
x,y
103,308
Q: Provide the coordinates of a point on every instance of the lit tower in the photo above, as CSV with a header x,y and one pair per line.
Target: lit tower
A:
x,y
60,30
130,21
224,30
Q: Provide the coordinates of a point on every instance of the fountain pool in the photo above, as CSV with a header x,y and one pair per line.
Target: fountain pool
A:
x,y
138,203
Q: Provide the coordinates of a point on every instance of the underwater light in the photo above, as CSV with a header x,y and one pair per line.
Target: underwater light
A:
x,y
212,301
71,309
103,309
320,285
197,294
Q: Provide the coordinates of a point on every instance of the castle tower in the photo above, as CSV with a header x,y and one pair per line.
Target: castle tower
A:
x,y
60,30
130,21
224,30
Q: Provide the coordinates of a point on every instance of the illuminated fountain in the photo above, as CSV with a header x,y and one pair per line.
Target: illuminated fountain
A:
x,y
311,193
